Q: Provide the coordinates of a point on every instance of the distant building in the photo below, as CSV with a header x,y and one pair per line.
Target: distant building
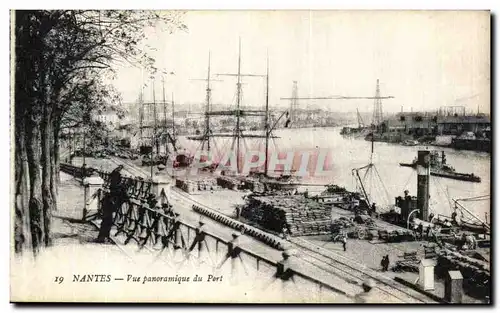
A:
x,y
109,118
412,123
458,124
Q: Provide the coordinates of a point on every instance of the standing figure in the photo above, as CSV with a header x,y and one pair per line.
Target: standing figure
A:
x,y
415,233
284,232
115,179
385,263
431,216
344,242
83,171
111,203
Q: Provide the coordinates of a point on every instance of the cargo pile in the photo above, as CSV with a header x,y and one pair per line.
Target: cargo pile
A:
x,y
365,228
334,190
202,184
253,185
399,235
300,216
466,264
476,273
341,224
228,182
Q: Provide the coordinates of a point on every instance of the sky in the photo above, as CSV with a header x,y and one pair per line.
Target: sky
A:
x,y
424,59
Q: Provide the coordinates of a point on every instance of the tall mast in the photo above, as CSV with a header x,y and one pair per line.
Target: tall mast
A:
x,y
294,103
371,154
154,116
173,121
238,134
266,119
141,115
153,135
141,109
207,109
238,99
164,115
208,98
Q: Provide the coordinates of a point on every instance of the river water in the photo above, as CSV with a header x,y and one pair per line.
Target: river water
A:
x,y
345,153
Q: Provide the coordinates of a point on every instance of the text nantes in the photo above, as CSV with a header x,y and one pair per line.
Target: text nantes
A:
x,y
91,278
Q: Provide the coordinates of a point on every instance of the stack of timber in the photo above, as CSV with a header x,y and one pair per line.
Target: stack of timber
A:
x,y
299,215
253,185
476,273
202,184
364,227
340,224
188,186
228,182
335,190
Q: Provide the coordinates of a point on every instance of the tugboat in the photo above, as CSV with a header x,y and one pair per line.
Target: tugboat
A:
x,y
441,169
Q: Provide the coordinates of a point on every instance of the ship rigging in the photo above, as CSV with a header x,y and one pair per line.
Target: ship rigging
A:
x,y
238,135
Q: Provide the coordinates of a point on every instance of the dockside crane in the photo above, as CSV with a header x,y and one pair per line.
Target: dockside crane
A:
x,y
377,110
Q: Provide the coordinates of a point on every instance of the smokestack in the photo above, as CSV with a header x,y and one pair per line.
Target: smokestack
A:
x,y
423,171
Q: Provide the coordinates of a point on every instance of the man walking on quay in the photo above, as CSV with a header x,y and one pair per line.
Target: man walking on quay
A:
x,y
385,263
83,171
344,242
111,203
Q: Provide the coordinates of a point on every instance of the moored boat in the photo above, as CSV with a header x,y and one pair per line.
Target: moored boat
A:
x,y
441,169
458,176
414,165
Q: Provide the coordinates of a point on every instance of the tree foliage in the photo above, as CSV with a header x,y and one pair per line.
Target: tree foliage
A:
x,y
63,59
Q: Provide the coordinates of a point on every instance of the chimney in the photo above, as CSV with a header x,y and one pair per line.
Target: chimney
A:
x,y
423,171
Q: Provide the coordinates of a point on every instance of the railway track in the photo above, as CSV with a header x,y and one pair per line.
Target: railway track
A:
x,y
308,252
130,167
354,271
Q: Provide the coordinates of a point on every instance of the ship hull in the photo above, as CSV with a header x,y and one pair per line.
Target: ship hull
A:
x,y
456,176
407,165
471,144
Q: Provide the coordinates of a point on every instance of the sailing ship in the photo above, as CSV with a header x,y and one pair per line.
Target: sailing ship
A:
x,y
440,168
152,136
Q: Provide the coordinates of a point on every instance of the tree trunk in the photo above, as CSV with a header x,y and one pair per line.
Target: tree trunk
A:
x,y
35,200
22,236
46,160
55,178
